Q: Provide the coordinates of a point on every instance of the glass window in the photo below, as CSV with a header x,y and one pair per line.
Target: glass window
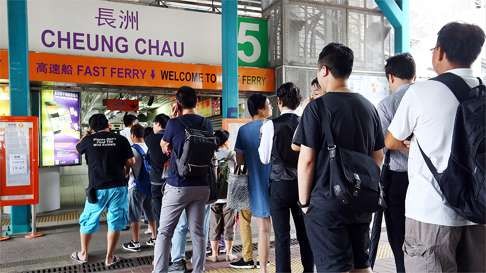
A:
x,y
366,37
308,29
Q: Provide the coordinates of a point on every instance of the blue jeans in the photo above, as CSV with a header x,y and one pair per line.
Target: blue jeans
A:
x,y
178,249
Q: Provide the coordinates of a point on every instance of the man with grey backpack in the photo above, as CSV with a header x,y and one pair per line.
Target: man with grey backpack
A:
x,y
190,142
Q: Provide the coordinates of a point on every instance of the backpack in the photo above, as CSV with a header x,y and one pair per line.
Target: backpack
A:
x,y
222,176
142,180
463,182
197,152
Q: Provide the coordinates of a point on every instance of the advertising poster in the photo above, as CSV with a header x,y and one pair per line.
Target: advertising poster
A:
x,y
209,107
4,101
61,131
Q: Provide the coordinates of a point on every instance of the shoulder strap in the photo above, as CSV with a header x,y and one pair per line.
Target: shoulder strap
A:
x,y
181,119
141,152
429,164
455,83
139,149
326,122
387,158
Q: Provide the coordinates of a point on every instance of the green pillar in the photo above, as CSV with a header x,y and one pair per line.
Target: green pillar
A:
x,y
398,13
230,58
18,58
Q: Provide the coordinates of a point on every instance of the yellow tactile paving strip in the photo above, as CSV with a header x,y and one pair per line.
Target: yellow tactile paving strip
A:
x,y
384,251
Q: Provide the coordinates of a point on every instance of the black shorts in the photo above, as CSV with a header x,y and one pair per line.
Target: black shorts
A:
x,y
337,245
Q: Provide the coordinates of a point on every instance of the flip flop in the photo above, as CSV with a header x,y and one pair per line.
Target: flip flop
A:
x,y
75,257
116,260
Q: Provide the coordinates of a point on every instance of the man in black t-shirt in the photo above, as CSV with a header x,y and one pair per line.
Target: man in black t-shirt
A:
x,y
339,236
158,160
109,158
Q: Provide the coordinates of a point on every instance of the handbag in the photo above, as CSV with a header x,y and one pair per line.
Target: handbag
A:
x,y
354,176
238,192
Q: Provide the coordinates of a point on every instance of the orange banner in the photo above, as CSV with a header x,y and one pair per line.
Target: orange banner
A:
x,y
124,72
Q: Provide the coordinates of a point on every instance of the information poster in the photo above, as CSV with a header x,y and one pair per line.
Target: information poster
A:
x,y
374,88
60,124
15,135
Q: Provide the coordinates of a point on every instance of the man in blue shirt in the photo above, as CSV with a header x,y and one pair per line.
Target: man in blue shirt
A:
x,y
182,193
247,143
400,72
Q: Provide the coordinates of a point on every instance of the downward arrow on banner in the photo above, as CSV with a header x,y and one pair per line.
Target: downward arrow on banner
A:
x,y
152,74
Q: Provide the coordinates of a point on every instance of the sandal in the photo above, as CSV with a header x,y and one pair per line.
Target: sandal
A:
x,y
75,257
213,259
115,260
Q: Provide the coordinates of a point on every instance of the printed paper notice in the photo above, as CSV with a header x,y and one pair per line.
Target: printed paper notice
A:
x,y
17,153
18,164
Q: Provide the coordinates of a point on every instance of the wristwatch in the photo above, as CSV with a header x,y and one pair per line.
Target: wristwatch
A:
x,y
306,205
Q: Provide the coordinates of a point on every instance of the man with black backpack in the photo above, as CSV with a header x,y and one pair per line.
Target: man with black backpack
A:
x,y
190,142
139,188
338,169
446,195
275,148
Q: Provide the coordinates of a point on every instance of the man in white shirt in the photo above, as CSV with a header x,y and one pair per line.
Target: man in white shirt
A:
x,y
437,239
128,120
275,148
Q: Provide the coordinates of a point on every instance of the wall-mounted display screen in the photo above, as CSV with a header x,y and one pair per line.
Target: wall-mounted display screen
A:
x,y
61,130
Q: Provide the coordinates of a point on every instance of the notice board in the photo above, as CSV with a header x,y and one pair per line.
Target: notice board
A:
x,y
19,164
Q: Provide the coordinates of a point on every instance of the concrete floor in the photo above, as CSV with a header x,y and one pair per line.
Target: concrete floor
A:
x,y
54,249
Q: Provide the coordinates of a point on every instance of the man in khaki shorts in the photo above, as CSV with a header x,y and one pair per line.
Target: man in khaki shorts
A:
x,y
437,239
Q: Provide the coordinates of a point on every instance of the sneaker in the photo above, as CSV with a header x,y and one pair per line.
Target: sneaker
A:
x,y
241,264
150,242
179,266
132,246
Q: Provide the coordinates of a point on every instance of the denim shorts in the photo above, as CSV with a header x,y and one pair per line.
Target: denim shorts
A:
x,y
114,200
137,202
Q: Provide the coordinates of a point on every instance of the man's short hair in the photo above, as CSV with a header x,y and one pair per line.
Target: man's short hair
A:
x,y
256,102
129,120
401,66
187,97
289,95
315,83
338,58
161,119
461,42
137,130
98,122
